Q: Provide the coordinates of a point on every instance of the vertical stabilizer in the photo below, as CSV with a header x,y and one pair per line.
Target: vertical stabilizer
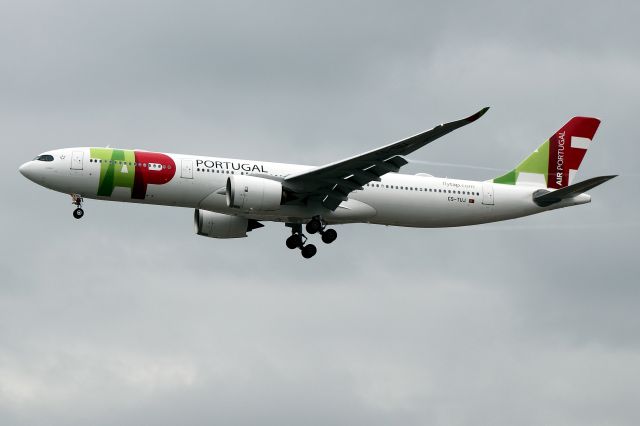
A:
x,y
555,163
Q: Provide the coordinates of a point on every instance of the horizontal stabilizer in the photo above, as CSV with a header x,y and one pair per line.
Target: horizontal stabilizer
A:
x,y
545,198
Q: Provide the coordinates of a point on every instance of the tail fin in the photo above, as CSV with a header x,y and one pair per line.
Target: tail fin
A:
x,y
555,163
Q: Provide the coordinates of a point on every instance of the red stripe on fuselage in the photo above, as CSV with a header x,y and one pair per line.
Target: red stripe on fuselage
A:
x,y
145,176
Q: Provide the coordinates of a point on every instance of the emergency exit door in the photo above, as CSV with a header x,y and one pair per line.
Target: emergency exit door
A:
x,y
487,193
77,158
187,169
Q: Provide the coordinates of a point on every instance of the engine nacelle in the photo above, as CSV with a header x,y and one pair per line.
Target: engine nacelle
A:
x,y
217,225
250,193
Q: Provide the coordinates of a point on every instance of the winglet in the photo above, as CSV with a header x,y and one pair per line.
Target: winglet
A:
x,y
477,115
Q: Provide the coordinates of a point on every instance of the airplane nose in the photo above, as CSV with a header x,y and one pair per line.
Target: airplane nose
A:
x,y
26,169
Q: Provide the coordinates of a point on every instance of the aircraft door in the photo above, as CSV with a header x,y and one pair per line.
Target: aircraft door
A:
x,y
77,160
187,169
487,193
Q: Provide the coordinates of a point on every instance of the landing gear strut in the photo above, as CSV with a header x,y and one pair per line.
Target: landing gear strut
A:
x,y
77,201
298,240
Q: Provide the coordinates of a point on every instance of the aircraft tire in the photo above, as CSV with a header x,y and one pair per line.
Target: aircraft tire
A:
x,y
78,213
309,251
313,226
329,236
294,241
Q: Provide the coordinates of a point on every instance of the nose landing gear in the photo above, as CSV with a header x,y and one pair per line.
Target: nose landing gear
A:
x,y
78,213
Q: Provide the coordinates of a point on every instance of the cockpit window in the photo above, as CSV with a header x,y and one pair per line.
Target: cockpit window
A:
x,y
45,157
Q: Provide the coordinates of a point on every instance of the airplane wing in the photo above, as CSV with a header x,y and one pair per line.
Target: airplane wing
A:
x,y
332,183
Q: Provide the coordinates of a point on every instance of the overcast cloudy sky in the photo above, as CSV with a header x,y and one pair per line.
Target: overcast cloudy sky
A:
x,y
128,318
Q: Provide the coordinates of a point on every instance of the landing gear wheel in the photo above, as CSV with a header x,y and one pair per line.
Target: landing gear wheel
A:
x,y
313,226
329,236
309,251
294,241
76,200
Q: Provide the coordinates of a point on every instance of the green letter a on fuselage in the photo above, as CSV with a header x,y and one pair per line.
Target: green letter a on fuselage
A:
x,y
117,168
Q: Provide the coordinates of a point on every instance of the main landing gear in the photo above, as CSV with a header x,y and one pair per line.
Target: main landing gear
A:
x,y
77,201
299,240
316,225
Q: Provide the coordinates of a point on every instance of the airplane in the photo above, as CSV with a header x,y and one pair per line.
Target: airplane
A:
x,y
232,197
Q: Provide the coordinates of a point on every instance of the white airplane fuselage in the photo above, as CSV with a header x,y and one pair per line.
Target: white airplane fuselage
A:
x,y
199,182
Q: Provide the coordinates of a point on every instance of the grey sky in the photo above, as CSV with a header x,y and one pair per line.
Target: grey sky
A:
x,y
127,317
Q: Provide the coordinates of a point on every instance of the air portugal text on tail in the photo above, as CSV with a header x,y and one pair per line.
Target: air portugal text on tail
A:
x,y
554,166
555,163
231,197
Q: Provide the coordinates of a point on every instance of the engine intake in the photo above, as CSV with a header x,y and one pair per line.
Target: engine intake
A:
x,y
250,193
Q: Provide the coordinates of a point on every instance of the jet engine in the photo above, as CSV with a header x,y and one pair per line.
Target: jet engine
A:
x,y
218,225
250,193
